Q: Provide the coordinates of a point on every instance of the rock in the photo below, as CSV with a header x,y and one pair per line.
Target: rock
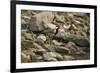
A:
x,y
77,22
36,58
51,29
24,26
74,27
22,38
72,46
65,36
61,30
41,38
51,59
38,49
67,57
82,41
85,49
49,47
27,44
28,52
24,58
78,40
39,21
28,36
25,22
60,19
81,53
51,26
62,50
67,26
59,56
79,14
26,55
37,46
50,56
57,43
70,15
26,17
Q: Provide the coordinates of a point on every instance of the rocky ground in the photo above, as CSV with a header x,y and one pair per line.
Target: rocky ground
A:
x,y
54,36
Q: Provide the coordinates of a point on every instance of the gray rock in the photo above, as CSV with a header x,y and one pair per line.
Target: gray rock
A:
x,y
78,40
64,36
39,21
85,49
82,41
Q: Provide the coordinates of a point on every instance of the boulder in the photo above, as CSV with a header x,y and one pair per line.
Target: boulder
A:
x,y
78,40
39,21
